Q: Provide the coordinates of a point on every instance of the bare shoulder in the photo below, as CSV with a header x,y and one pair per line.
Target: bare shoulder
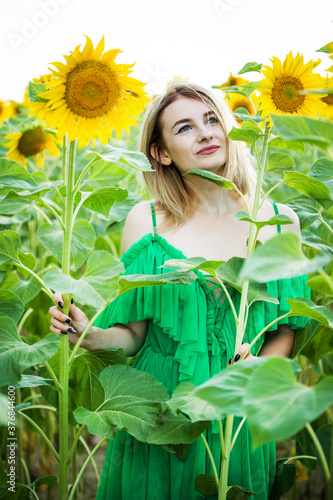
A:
x,y
267,212
138,223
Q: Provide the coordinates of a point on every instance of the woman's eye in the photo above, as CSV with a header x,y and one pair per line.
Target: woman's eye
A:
x,y
184,127
213,118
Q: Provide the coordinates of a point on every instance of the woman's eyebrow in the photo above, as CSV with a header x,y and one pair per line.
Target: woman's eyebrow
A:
x,y
183,120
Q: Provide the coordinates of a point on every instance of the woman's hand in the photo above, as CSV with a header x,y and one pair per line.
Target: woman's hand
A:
x,y
72,325
240,352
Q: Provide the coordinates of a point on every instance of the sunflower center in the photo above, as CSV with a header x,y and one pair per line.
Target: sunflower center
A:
x,y
285,94
328,99
92,89
32,142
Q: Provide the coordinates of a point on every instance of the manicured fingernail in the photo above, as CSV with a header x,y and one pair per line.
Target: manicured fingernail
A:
x,y
60,304
72,301
71,330
229,362
64,333
68,321
237,357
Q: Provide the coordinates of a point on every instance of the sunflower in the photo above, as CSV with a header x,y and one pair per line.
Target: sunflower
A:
x,y
233,81
30,143
283,86
327,112
236,101
6,111
90,95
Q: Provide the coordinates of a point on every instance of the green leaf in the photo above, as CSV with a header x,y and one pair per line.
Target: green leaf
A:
x,y
250,66
307,185
322,170
27,194
133,401
101,200
33,381
83,238
315,240
34,90
27,259
10,305
15,175
243,114
328,48
133,159
192,264
175,429
319,344
210,176
247,135
280,161
251,125
131,281
206,485
238,493
245,90
278,406
307,209
277,219
220,396
16,355
301,128
324,435
10,243
229,272
86,388
3,416
280,257
302,337
284,479
305,307
277,142
319,283
13,206
22,491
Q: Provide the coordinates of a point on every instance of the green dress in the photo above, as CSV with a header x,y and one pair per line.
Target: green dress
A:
x,y
190,337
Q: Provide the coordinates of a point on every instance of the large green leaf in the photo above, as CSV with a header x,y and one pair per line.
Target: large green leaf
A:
x,y
307,185
280,161
130,281
278,406
10,305
277,142
16,355
324,435
133,159
106,174
192,264
284,479
319,344
26,290
33,381
34,90
210,176
83,238
10,243
322,170
280,257
305,307
101,200
301,128
250,66
31,194
220,396
238,493
205,484
245,134
15,175
14,206
307,209
320,284
133,401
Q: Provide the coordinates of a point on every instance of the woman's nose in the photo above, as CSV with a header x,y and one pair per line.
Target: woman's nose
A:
x,y
205,132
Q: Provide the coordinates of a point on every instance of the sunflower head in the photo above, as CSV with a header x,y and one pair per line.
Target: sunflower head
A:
x,y
7,110
236,101
283,90
233,81
31,143
91,95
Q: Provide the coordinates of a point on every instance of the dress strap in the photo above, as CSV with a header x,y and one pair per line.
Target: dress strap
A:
x,y
153,216
276,213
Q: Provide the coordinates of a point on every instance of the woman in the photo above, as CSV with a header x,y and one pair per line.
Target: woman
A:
x,y
187,333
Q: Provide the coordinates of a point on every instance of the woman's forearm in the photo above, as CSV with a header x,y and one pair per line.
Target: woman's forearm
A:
x,y
118,336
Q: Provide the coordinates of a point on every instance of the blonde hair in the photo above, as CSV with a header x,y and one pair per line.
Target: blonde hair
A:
x,y
166,184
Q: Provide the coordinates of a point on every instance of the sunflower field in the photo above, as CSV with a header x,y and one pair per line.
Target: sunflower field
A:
x,y
70,173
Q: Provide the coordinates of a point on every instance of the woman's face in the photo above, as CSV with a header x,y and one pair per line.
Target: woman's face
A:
x,y
193,136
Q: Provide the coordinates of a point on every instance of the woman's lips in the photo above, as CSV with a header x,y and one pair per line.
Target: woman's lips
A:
x,y
208,151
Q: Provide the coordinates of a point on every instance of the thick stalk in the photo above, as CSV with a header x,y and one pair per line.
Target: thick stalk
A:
x,y
64,348
251,242
222,493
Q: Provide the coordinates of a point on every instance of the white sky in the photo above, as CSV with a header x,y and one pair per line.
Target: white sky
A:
x,y
203,40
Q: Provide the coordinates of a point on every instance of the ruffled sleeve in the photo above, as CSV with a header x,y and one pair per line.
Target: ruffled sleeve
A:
x,y
178,310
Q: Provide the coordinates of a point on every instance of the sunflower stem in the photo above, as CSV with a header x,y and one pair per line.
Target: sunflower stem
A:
x,y
223,487
64,349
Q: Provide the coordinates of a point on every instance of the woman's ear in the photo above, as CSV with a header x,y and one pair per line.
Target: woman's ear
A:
x,y
160,155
